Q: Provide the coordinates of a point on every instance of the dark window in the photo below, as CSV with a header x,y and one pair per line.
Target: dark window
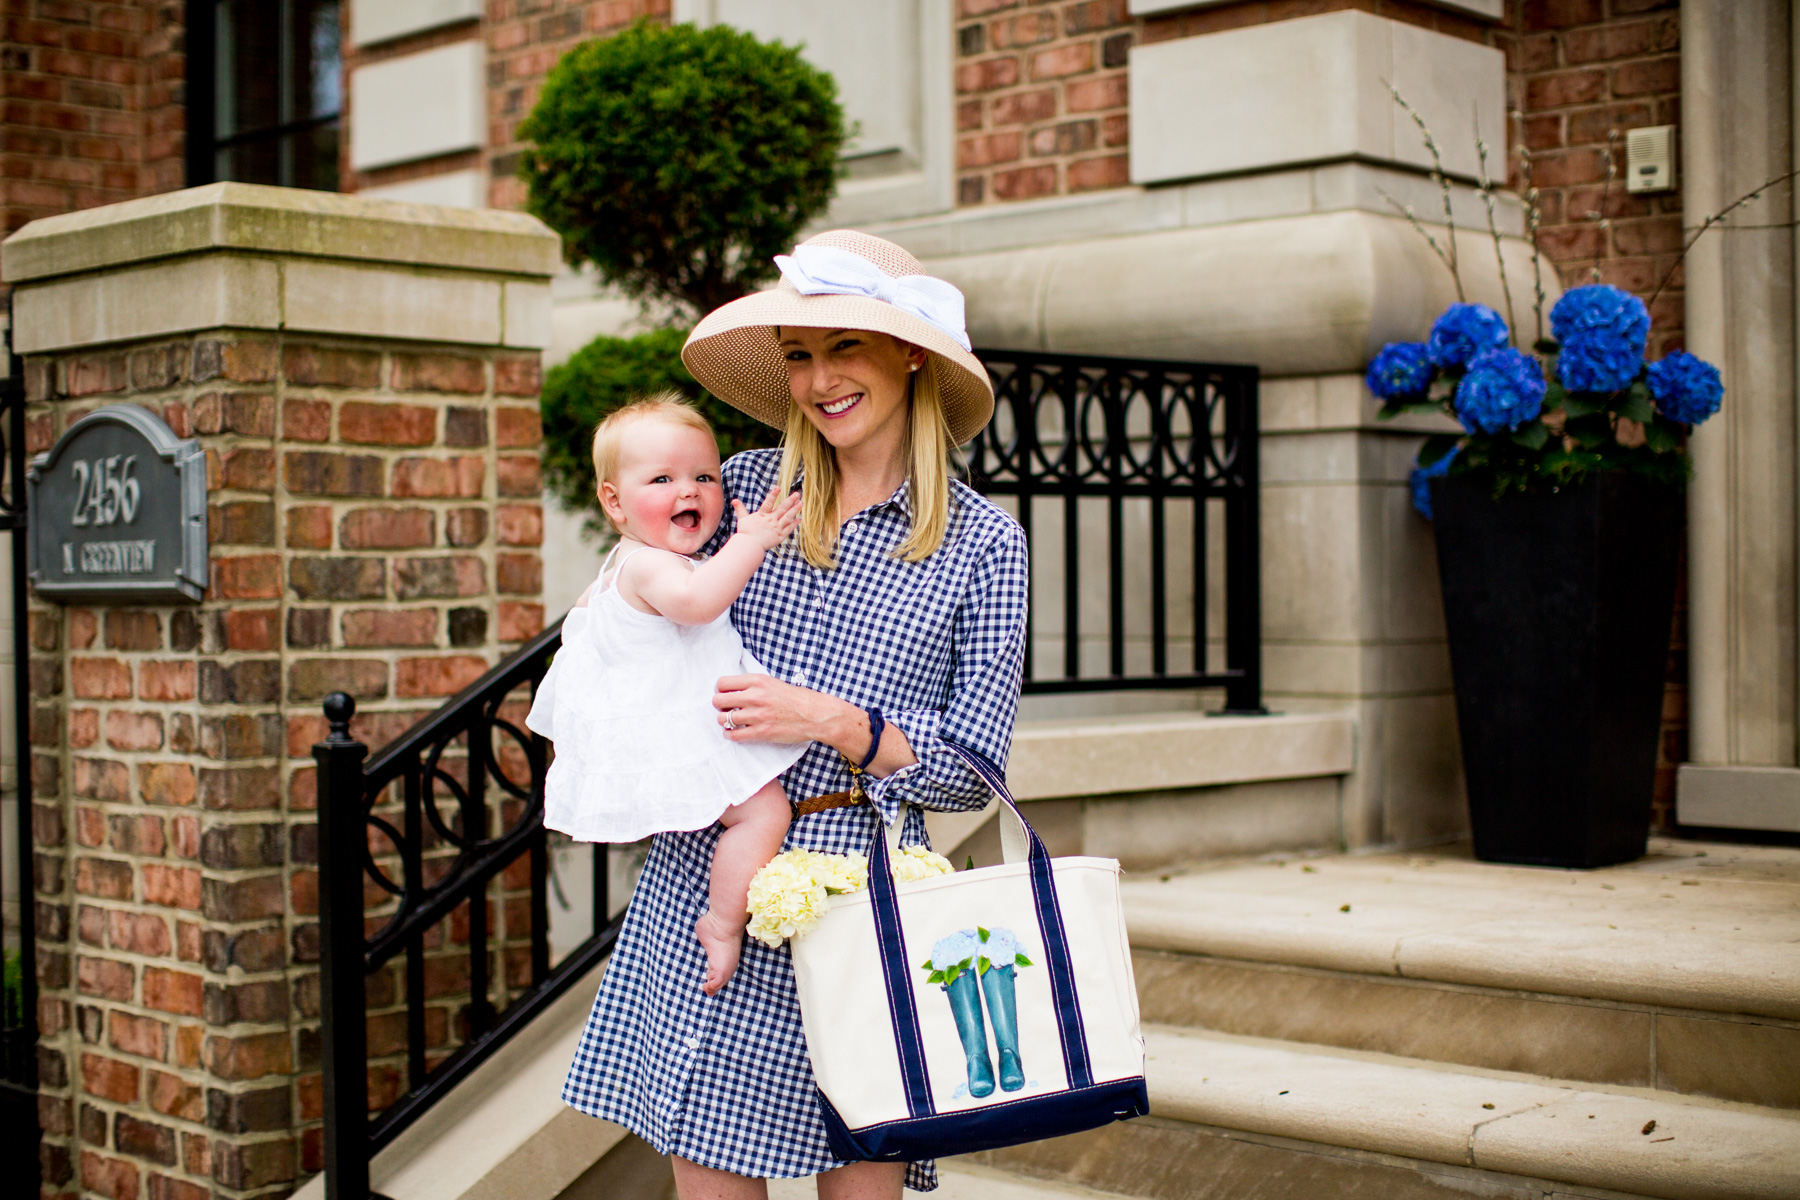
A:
x,y
267,111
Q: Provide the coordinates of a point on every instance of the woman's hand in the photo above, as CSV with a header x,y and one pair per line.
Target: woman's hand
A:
x,y
761,708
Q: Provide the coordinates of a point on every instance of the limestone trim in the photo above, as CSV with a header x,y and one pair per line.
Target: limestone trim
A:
x,y
1317,294
1151,753
271,220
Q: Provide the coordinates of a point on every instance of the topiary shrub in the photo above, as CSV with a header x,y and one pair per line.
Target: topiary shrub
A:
x,y
679,161
606,373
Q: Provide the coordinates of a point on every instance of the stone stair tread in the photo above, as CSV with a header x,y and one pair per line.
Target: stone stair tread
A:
x,y
1712,928
959,1180
1544,1129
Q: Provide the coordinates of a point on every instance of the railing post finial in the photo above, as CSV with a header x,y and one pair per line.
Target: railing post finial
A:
x,y
339,708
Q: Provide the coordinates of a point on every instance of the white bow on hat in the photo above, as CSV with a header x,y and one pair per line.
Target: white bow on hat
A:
x,y
827,270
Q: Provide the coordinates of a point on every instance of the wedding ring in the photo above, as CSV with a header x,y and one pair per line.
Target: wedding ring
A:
x,y
729,723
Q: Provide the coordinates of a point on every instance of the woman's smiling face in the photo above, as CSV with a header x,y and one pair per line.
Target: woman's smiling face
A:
x,y
667,492
850,383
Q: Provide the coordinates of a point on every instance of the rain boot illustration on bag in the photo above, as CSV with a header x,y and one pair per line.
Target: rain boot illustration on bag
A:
x,y
965,1005
1002,1006
969,964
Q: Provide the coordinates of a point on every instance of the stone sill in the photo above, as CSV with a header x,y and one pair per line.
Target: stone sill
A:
x,y
1167,751
281,221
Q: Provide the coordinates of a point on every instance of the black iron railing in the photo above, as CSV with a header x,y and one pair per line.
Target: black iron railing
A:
x,y
19,1133
434,830
1157,461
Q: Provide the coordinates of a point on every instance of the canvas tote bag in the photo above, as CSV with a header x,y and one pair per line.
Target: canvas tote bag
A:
x,y
974,1010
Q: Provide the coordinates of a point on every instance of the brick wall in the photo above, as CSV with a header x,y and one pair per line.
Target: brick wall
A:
x,y
1041,98
90,104
375,524
525,38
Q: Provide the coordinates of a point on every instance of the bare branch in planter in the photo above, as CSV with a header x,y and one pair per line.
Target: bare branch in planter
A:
x,y
1487,198
1714,219
1534,219
1438,177
1600,218
1412,219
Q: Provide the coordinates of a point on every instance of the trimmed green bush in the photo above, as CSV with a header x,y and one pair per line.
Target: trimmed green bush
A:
x,y
609,372
680,161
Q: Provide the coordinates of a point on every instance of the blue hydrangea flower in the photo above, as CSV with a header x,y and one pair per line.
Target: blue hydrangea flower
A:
x,y
1598,362
1503,390
1464,331
1402,371
1420,481
1601,311
1687,389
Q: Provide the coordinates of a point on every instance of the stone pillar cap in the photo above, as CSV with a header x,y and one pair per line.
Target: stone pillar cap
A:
x,y
273,220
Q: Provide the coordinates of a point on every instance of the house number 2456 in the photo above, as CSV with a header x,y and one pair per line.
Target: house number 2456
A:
x,y
105,490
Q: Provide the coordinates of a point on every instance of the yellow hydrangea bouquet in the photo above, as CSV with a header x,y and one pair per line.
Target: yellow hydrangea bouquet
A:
x,y
790,891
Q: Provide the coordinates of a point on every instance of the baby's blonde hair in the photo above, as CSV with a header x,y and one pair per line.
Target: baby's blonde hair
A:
x,y
609,435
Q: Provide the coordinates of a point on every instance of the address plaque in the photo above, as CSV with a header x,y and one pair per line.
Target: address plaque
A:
x,y
118,511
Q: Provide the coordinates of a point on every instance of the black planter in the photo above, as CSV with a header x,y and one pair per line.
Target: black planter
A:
x,y
1558,606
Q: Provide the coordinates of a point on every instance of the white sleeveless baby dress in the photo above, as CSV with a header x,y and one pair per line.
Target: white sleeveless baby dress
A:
x,y
628,703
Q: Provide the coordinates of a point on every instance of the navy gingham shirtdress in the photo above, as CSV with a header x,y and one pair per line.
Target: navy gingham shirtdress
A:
x,y
938,647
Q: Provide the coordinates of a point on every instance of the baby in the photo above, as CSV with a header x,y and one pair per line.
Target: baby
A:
x,y
628,700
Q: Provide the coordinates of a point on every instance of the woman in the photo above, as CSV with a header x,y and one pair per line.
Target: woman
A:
x,y
897,624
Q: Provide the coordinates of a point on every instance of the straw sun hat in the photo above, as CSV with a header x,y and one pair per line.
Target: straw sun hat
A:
x,y
839,280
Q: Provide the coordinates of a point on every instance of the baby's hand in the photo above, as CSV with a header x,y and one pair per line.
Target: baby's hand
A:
x,y
770,523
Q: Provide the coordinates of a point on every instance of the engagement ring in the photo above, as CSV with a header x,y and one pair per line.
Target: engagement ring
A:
x,y
729,723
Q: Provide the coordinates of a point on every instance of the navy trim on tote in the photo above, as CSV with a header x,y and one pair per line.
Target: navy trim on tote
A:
x,y
989,1127
1069,1026
902,1003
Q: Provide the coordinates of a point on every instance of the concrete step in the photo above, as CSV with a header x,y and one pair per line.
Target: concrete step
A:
x,y
1680,972
959,1179
1252,1119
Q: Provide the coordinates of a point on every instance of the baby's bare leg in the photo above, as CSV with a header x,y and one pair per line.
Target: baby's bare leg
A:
x,y
753,835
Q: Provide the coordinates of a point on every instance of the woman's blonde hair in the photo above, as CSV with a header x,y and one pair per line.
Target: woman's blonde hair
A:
x,y
927,451
609,435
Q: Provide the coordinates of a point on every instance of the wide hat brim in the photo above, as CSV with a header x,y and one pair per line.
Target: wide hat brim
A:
x,y
734,355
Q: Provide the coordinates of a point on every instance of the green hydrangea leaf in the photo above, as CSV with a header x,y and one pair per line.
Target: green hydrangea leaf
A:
x,y
1019,960
1532,435
1582,404
982,932
1636,404
1436,446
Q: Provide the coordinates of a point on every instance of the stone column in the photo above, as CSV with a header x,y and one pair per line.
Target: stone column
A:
x,y
1737,119
363,377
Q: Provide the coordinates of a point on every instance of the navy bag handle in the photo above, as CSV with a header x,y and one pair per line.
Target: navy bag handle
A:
x,y
902,1003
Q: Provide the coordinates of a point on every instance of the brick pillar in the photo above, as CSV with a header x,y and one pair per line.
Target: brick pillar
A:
x,y
363,377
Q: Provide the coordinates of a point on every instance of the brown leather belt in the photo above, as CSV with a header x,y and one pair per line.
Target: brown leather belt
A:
x,y
829,800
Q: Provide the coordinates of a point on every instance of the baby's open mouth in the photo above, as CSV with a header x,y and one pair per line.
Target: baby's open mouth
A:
x,y
687,519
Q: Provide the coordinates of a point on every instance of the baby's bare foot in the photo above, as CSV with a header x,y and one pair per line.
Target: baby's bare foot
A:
x,y
722,942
